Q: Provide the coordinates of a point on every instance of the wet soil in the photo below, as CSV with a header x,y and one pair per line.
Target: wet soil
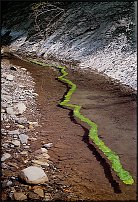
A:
x,y
83,166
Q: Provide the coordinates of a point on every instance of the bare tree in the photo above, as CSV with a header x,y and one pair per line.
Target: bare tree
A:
x,y
45,15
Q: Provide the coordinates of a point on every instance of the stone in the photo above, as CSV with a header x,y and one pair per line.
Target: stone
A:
x,y
24,153
13,164
40,162
5,145
31,127
33,175
23,69
40,151
2,110
5,156
47,197
21,126
6,183
32,195
39,192
26,147
9,183
23,138
9,77
8,126
4,166
14,132
5,97
33,123
20,108
10,111
21,120
48,145
13,68
44,155
19,196
16,143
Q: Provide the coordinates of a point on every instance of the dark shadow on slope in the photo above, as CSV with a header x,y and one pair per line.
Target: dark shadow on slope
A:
x,y
102,161
6,39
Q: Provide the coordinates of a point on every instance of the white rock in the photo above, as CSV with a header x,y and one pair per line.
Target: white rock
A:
x,y
44,150
9,77
33,175
23,69
16,143
40,162
5,156
9,183
2,110
14,132
21,120
5,97
23,138
21,107
48,145
10,111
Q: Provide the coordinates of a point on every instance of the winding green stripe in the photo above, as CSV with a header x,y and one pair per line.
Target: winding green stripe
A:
x,y
93,132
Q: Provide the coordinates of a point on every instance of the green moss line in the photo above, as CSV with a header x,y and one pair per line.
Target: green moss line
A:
x,y
93,132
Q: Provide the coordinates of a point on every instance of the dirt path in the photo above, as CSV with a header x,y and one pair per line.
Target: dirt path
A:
x,y
83,166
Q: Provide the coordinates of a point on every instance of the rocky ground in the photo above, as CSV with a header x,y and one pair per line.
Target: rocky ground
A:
x,y
27,171
46,154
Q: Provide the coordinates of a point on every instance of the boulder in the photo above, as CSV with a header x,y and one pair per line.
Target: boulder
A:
x,y
33,175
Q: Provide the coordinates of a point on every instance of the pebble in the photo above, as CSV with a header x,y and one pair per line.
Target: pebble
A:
x,y
13,68
32,195
26,147
45,155
6,183
24,153
14,132
23,69
31,127
3,110
5,145
47,197
5,156
40,162
23,138
21,120
8,126
20,108
21,126
4,166
39,192
9,183
40,151
19,196
9,77
48,145
33,175
13,164
16,143
10,111
13,178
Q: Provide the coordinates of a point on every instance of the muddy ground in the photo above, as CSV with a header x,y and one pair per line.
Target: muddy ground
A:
x,y
82,166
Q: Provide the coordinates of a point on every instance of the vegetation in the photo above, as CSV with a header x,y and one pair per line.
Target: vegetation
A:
x,y
93,132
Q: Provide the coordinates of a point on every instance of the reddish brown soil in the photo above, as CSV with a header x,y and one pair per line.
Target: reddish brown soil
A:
x,y
83,166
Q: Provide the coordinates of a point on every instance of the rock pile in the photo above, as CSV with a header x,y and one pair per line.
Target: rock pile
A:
x,y
27,171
